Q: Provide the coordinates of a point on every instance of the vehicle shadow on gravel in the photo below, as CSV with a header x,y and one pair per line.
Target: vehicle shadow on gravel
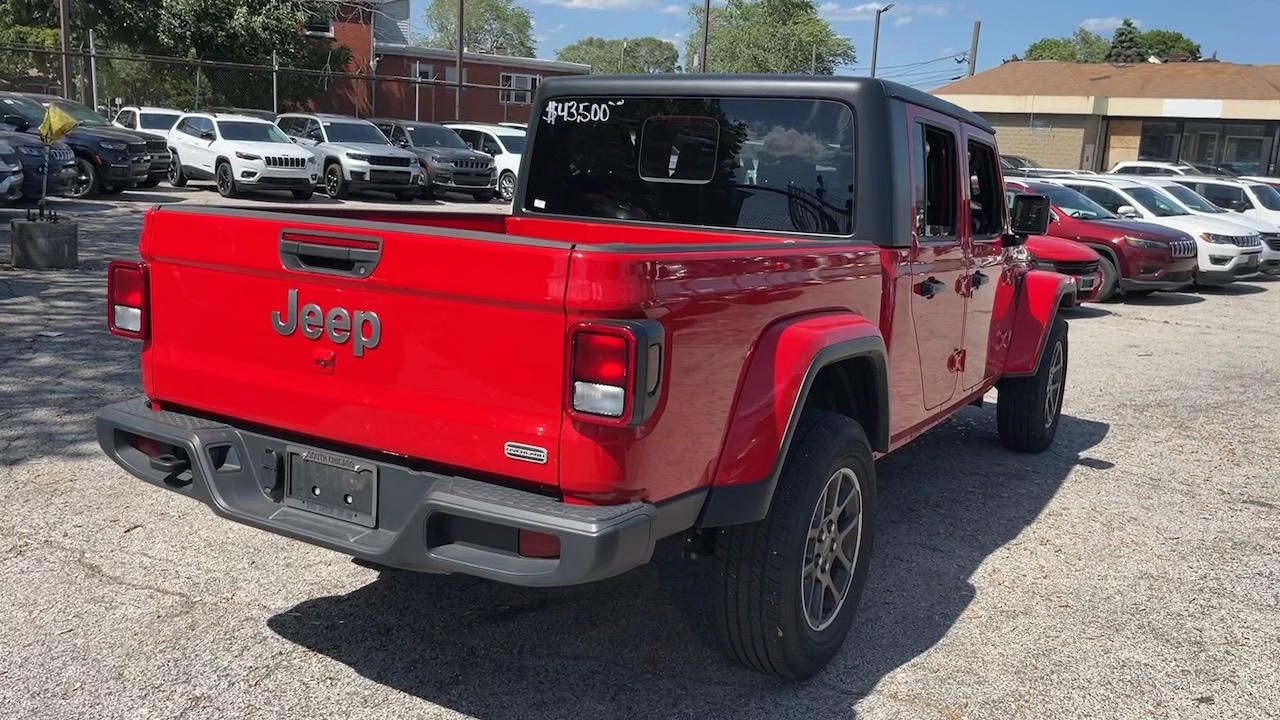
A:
x,y
644,644
58,363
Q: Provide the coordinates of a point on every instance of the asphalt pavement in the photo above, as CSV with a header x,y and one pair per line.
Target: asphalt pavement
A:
x,y
1131,572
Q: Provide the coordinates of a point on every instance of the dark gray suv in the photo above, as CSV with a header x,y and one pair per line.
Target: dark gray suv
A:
x,y
448,164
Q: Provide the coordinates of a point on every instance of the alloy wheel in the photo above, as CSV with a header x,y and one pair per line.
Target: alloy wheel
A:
x,y
831,549
1053,390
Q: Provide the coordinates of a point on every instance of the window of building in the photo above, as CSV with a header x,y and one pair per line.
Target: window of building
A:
x,y
934,173
1159,141
517,89
319,24
426,72
451,74
984,203
772,165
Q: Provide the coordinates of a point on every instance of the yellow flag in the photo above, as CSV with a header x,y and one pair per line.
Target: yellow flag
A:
x,y
57,124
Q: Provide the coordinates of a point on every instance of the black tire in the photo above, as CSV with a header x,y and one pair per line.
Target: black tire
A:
x,y
484,197
1110,279
761,567
149,182
303,194
176,177
1024,417
335,185
407,195
507,185
87,182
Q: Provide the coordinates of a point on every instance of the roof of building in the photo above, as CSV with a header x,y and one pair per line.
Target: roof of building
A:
x,y
424,53
1192,80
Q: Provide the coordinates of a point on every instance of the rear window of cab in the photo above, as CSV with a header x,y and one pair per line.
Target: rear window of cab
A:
x,y
755,164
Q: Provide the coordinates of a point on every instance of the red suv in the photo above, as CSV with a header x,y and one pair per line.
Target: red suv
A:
x,y
1082,264
1137,257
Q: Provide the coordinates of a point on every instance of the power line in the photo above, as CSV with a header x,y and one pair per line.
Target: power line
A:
x,y
952,56
899,77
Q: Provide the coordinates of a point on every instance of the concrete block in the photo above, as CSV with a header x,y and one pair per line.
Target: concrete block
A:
x,y
44,245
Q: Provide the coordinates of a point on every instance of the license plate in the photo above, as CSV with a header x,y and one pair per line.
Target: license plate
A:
x,y
335,485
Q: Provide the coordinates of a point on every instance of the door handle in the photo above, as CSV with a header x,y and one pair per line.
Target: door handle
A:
x,y
929,288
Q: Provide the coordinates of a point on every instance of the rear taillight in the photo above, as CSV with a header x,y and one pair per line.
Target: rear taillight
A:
x,y
127,299
615,370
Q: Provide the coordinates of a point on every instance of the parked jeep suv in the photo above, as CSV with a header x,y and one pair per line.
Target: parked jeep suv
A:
x,y
447,162
353,154
1138,257
108,159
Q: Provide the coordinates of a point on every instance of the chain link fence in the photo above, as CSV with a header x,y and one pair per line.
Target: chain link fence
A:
x,y
110,79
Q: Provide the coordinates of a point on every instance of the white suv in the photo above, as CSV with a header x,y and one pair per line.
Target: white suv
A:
x,y
1159,167
1227,251
238,153
1191,196
354,155
1244,201
505,144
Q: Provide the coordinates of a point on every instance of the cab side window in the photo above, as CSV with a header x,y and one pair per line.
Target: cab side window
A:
x,y
985,208
1224,196
935,171
1108,199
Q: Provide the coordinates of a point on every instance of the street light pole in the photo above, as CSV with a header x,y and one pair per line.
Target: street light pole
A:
x,y
875,37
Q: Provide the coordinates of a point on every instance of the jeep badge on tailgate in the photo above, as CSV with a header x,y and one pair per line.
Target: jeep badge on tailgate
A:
x,y
339,324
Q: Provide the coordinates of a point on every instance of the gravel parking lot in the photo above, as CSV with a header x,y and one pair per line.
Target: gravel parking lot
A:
x,y
1131,572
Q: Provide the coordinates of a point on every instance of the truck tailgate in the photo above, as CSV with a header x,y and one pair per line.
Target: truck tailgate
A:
x,y
440,345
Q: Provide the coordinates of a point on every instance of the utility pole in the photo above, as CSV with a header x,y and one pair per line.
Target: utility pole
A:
x,y
875,37
706,34
417,87
973,47
457,92
65,12
813,61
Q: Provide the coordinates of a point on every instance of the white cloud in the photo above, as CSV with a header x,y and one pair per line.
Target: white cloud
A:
x,y
1105,25
831,11
674,10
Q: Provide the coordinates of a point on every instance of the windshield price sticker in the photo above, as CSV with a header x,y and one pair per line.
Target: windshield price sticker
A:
x,y
574,111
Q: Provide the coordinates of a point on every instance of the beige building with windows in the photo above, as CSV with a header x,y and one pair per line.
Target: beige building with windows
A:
x,y
1092,116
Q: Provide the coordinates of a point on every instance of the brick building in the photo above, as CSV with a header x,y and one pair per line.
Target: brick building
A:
x,y
377,33
1091,116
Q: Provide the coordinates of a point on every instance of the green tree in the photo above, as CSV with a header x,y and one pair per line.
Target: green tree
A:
x,y
622,55
1167,42
1081,47
768,36
1126,44
487,24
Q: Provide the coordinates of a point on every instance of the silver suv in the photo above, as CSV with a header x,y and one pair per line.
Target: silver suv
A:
x,y
353,155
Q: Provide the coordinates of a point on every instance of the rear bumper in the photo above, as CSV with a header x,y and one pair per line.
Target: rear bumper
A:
x,y
426,521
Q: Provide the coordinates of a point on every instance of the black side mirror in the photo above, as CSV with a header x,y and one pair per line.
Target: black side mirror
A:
x,y
1029,215
206,134
1239,205
18,123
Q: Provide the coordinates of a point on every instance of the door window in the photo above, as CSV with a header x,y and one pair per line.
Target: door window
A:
x,y
292,126
489,144
126,118
1107,198
985,204
472,137
313,130
1225,196
934,176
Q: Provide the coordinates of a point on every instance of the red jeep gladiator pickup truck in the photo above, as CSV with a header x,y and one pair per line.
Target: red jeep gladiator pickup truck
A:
x,y
716,301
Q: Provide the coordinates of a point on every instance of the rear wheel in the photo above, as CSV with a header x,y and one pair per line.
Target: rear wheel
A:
x,y
1110,278
175,175
790,584
1028,409
507,185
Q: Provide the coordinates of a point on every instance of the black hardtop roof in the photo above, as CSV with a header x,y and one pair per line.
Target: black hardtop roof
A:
x,y
672,85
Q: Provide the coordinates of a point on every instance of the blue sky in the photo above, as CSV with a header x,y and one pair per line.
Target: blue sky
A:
x,y
917,39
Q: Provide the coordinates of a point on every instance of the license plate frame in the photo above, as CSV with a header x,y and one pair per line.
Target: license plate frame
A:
x,y
331,484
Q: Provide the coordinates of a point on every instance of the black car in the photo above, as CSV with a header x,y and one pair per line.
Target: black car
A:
x,y
108,159
448,164
38,179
